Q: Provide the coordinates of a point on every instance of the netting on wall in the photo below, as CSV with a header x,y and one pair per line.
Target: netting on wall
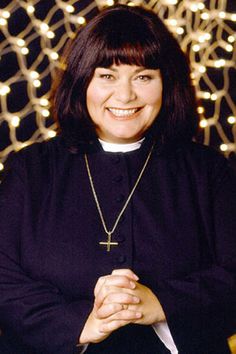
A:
x,y
33,33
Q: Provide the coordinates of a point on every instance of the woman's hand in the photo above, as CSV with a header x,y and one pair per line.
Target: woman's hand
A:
x,y
108,317
135,297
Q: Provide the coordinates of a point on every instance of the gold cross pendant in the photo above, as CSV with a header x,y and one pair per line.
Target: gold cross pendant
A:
x,y
108,243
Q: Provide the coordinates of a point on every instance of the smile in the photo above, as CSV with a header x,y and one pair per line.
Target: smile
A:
x,y
123,112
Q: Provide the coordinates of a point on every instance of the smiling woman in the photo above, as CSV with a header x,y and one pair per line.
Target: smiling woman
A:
x,y
123,101
118,235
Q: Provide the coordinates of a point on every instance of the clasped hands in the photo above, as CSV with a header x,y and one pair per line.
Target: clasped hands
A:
x,y
119,300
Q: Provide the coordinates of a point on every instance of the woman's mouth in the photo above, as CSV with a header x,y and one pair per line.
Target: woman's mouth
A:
x,y
120,112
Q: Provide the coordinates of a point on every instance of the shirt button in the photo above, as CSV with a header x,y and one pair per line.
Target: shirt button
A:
x,y
120,198
115,159
118,178
121,259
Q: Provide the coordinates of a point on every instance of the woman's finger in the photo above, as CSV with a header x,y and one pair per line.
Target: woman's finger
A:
x,y
127,272
118,320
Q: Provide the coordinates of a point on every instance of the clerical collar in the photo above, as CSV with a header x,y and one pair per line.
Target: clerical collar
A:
x,y
111,147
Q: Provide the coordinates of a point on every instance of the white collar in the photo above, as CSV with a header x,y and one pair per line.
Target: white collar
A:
x,y
112,147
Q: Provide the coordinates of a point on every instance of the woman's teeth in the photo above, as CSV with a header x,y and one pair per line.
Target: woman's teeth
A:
x,y
123,112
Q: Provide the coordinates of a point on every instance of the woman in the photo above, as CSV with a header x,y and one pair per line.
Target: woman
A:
x,y
119,234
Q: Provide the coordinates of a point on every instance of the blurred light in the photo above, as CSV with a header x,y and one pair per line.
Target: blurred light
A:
x,y
200,110
203,123
54,55
4,90
179,30
20,42
229,48
3,21
233,17
219,63
81,20
231,120
231,39
223,147
34,74
44,102
44,27
205,16
30,9
15,121
213,96
24,50
202,69
6,14
196,47
45,113
222,14
51,133
37,83
70,8
50,34
1,166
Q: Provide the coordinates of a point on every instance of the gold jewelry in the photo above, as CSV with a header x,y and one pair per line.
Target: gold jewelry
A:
x,y
109,233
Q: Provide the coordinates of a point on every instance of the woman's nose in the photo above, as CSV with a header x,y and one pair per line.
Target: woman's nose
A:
x,y
125,92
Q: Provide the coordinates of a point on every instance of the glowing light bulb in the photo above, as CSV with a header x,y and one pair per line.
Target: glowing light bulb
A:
x,y
233,17
44,102
231,120
202,69
229,48
205,16
179,30
30,9
231,39
50,34
1,166
45,113
70,8
24,50
51,133
34,74
223,147
15,121
20,42
222,14
194,7
172,22
3,21
6,14
201,6
206,95
196,47
37,83
54,55
203,123
200,110
44,27
4,90
213,96
219,63
81,20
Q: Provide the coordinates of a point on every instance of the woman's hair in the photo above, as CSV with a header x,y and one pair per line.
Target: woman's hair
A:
x,y
124,35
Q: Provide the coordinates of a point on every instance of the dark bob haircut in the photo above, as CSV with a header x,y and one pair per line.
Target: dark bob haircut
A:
x,y
124,35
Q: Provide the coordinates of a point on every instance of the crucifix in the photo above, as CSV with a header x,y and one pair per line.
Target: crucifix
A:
x,y
109,242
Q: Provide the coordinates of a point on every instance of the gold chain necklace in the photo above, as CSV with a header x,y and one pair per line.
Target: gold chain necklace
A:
x,y
109,233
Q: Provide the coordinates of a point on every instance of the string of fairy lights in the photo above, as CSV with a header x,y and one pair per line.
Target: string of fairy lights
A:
x,y
33,33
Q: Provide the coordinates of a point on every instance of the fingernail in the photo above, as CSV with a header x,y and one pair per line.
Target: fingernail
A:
x,y
138,314
132,284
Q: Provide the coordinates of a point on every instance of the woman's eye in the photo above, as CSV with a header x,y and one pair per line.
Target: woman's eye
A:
x,y
144,78
106,76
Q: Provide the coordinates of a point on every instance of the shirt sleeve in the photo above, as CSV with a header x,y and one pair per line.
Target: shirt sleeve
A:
x,y
32,310
202,305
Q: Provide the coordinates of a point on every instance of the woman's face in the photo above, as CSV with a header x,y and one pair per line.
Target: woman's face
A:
x,y
123,101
